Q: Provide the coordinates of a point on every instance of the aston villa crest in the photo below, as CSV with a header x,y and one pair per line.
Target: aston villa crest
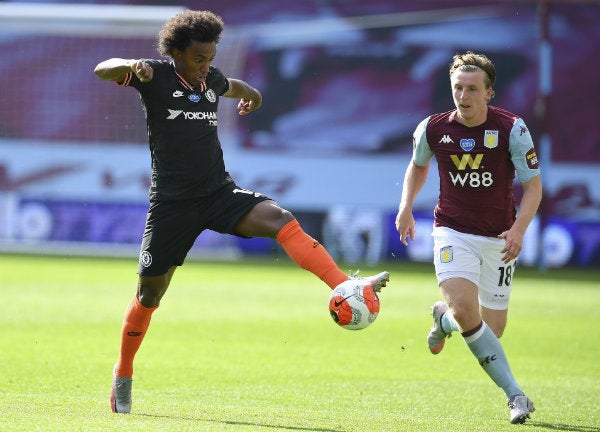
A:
x,y
490,139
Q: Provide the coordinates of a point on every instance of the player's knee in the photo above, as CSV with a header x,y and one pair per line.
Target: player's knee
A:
x,y
286,216
150,292
149,299
272,214
467,318
280,218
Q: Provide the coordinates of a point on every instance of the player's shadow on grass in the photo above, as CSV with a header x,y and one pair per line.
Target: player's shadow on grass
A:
x,y
243,423
563,427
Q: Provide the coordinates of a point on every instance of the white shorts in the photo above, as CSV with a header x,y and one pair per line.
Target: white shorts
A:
x,y
476,258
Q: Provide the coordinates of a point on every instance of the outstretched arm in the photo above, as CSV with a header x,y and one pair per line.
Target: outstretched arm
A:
x,y
414,179
115,69
250,98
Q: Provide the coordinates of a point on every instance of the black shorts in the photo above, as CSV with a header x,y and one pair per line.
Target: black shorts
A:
x,y
173,226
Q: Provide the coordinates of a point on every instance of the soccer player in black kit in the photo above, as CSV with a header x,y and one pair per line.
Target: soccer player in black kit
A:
x,y
190,189
478,234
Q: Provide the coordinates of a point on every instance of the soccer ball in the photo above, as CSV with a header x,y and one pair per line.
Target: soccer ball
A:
x,y
354,304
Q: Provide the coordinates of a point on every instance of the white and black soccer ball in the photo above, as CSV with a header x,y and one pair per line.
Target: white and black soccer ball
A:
x,y
354,304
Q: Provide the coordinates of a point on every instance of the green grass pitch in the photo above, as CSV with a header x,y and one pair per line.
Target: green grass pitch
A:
x,y
250,346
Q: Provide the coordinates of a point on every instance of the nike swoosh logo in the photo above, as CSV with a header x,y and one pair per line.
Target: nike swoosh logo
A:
x,y
11,182
134,333
339,303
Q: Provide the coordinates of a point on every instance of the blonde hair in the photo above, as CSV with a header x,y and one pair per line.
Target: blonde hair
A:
x,y
473,62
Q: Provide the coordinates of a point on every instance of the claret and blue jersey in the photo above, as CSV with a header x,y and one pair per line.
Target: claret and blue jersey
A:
x,y
477,167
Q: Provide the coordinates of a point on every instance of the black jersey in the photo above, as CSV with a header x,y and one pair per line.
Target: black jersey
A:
x,y
187,159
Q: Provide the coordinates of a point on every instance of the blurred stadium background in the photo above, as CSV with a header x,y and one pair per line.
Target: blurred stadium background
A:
x,y
344,85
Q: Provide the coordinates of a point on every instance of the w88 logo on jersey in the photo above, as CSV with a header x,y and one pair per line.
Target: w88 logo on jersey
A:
x,y
473,179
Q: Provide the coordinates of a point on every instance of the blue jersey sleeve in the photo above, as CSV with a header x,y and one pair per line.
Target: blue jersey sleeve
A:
x,y
522,152
422,153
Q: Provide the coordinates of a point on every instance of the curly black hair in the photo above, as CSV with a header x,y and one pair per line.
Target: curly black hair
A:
x,y
187,26
470,62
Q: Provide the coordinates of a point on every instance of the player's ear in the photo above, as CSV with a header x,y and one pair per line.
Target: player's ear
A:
x,y
177,54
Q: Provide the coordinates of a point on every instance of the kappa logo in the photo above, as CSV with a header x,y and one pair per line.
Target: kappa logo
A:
x,y
446,139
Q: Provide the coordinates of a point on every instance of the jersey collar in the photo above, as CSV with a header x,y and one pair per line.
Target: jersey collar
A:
x,y
186,84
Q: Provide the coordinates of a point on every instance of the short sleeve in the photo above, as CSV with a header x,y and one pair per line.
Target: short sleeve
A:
x,y
218,82
422,153
522,152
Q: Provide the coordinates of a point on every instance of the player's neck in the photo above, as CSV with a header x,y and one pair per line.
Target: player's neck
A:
x,y
472,121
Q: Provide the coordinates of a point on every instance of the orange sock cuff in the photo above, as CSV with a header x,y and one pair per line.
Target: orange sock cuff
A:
x,y
288,230
137,314
309,254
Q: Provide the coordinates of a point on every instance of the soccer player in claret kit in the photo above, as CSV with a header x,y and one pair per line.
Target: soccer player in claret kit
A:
x,y
477,231
190,189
